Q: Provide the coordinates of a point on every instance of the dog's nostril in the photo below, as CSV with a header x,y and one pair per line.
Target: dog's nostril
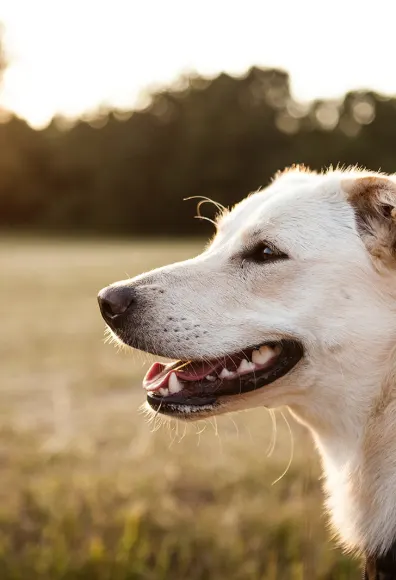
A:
x,y
107,309
115,300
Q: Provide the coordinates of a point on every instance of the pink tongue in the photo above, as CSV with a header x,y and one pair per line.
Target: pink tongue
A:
x,y
155,369
158,374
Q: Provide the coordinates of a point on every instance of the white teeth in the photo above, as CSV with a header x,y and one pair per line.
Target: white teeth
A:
x,y
246,366
226,374
163,391
210,378
263,355
174,385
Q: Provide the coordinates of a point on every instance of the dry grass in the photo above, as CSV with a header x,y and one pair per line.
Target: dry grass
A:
x,y
89,490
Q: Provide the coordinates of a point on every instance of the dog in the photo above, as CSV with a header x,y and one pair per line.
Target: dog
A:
x,y
292,303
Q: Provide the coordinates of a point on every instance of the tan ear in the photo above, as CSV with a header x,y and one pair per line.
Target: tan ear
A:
x,y
374,201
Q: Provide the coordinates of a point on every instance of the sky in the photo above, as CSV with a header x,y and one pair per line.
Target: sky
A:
x,y
72,57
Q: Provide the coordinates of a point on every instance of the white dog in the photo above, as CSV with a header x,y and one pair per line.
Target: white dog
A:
x,y
292,303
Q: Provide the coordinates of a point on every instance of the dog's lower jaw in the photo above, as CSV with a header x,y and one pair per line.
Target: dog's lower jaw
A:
x,y
359,464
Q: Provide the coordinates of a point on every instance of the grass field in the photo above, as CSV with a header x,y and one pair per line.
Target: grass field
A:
x,y
89,490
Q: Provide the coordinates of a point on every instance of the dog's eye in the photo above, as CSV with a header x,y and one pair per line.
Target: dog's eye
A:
x,y
266,252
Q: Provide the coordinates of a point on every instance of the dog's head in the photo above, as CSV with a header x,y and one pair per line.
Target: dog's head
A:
x,y
291,298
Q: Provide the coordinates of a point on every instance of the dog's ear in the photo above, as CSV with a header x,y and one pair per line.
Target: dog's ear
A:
x,y
374,201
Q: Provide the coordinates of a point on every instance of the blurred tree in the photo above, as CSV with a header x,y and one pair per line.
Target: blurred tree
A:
x,y
128,172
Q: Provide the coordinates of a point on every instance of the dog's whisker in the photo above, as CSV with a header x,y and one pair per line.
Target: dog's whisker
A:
x,y
272,443
172,432
235,425
199,431
291,450
158,423
218,435
213,422
203,200
157,411
202,217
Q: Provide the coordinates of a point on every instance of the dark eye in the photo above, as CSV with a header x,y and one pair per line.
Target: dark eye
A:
x,y
266,252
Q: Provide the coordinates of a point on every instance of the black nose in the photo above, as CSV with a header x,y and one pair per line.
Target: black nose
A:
x,y
115,301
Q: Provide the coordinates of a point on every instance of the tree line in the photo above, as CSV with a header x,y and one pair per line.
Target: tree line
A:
x,y
126,173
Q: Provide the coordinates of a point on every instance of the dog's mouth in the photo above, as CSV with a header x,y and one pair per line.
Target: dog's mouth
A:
x,y
195,387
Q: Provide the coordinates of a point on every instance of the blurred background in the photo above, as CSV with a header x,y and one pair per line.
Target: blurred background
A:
x,y
110,114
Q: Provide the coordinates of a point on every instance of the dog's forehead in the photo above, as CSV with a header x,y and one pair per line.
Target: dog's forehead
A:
x,y
293,206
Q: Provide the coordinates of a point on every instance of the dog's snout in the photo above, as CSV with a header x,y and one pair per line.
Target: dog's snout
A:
x,y
114,301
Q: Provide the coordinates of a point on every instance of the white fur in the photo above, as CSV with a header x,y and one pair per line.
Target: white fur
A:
x,y
330,295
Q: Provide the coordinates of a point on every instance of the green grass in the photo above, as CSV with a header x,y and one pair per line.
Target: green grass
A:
x,y
89,490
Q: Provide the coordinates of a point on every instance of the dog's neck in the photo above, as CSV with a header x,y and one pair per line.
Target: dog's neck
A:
x,y
357,442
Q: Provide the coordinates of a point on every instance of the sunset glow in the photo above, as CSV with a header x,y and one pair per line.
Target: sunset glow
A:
x,y
71,57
